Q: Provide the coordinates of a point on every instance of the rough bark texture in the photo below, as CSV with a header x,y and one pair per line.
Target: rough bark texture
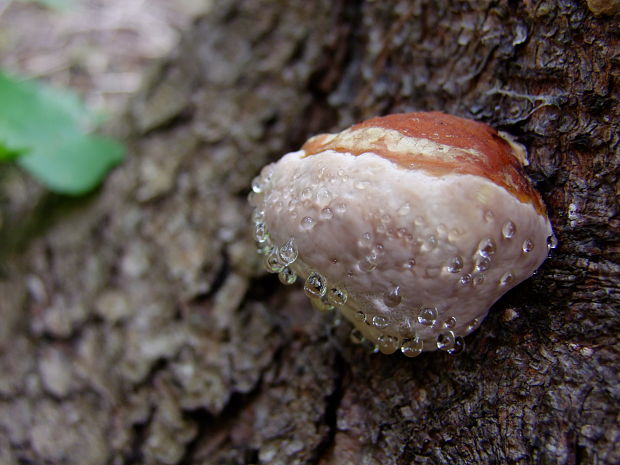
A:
x,y
139,328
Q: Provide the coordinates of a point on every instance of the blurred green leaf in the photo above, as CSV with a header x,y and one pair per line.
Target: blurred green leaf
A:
x,y
7,153
75,167
47,130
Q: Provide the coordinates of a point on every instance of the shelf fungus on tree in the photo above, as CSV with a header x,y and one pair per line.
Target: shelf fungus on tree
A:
x,y
412,225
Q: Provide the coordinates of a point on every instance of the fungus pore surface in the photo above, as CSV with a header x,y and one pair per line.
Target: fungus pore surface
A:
x,y
411,225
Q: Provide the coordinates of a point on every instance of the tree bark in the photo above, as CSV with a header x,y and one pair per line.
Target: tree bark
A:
x,y
139,326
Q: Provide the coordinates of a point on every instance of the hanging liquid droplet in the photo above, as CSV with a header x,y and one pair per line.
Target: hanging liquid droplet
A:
x,y
465,280
387,344
482,263
361,316
265,248
287,276
412,347
307,223
392,298
552,242
449,323
258,215
458,347
427,316
455,265
257,184
272,261
445,340
487,247
368,263
288,252
337,296
508,230
260,232
315,285
379,321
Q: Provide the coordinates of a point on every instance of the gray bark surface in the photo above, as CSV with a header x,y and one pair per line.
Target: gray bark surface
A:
x,y
139,327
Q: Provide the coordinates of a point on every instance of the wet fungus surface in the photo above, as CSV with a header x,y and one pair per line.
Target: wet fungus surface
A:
x,y
411,225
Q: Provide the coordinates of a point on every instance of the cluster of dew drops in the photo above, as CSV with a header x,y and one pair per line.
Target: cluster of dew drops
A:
x,y
278,260
483,257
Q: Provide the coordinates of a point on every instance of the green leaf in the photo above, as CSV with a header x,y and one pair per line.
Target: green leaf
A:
x,y
8,153
48,131
76,166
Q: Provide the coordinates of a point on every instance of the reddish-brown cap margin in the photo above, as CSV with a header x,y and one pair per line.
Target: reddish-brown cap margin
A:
x,y
479,149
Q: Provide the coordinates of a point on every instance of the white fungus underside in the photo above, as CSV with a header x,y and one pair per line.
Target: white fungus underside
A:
x,y
409,215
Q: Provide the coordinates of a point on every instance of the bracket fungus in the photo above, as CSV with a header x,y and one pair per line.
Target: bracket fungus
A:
x,y
411,225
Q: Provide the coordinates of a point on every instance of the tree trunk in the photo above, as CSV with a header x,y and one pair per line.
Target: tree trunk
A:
x,y
140,327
